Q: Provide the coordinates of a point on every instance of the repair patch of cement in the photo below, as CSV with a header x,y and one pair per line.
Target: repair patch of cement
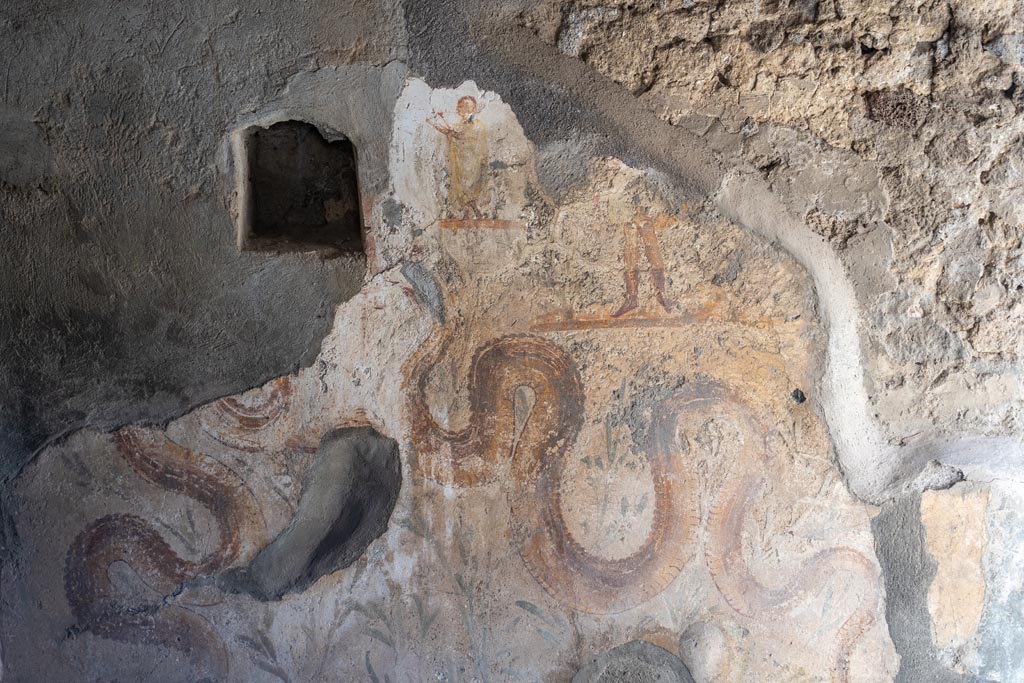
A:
x,y
347,499
635,662
908,571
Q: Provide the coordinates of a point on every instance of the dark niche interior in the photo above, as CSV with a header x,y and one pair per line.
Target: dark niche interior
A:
x,y
301,192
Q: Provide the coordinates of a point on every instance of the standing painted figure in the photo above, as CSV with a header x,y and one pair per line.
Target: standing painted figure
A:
x,y
467,157
639,224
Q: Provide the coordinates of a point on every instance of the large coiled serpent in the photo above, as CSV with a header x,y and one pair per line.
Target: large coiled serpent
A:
x,y
94,602
538,447
727,562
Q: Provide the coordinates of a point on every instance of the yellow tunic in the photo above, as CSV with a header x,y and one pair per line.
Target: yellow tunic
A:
x,y
467,163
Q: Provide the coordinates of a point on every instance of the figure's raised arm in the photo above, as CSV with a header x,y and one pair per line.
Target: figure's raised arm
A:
x,y
442,126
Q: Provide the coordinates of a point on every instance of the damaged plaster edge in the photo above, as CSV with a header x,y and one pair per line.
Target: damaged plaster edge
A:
x,y
317,97
980,458
856,437
323,97
307,359
304,360
908,570
594,104
875,470
303,97
239,141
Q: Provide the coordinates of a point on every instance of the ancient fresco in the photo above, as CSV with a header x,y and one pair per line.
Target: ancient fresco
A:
x,y
604,408
116,537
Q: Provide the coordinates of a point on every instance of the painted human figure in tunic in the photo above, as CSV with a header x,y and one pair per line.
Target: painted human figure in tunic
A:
x,y
641,215
467,157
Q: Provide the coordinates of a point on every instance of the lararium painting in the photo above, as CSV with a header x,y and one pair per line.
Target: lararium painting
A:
x,y
619,371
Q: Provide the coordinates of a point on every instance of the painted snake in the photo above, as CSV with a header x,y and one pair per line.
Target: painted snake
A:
x,y
241,423
473,455
567,570
726,561
127,538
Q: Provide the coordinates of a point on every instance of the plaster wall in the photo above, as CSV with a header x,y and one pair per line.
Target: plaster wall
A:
x,y
643,386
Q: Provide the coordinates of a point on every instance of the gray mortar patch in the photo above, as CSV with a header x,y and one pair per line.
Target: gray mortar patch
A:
x,y
908,570
562,166
635,662
347,499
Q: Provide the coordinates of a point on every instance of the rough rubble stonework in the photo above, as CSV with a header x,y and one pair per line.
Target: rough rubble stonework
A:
x,y
896,130
687,346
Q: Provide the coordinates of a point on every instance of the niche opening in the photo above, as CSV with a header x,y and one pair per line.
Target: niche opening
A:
x,y
298,191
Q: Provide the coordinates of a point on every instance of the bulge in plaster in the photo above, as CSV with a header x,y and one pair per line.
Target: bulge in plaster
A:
x,y
349,493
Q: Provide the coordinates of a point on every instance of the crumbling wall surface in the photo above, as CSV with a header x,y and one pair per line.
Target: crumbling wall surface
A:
x,y
894,129
124,296
663,366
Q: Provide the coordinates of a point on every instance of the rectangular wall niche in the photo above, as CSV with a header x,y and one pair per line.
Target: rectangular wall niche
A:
x,y
298,192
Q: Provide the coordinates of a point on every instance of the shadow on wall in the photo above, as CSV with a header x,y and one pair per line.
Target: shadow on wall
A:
x,y
158,311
